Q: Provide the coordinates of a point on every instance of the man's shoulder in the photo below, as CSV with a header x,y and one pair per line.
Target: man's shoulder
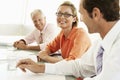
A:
x,y
50,26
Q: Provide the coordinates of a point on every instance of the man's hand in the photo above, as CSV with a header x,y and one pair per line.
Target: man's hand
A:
x,y
30,65
20,45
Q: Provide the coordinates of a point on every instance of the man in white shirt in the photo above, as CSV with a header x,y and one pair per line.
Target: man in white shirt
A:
x,y
42,34
100,16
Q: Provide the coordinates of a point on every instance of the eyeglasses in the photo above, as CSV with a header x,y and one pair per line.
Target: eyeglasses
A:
x,y
66,15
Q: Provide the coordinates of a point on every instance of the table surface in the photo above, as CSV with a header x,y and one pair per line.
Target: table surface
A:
x,y
17,74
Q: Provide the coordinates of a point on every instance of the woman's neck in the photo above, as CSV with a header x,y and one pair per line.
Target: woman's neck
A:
x,y
67,31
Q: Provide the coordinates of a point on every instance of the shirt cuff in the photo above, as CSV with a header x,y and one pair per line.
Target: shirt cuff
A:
x,y
50,68
23,41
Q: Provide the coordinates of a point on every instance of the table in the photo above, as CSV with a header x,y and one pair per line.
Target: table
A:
x,y
17,74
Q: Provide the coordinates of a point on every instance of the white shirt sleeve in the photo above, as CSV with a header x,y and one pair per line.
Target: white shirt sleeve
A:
x,y
50,68
31,37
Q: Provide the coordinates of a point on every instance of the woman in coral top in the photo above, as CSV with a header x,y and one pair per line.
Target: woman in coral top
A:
x,y
72,41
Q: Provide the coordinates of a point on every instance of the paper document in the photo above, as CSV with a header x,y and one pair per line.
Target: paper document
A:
x,y
3,54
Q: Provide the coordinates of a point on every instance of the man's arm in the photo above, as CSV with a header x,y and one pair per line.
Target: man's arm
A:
x,y
33,47
30,65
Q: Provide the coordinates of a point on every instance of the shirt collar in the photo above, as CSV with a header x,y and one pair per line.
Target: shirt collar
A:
x,y
43,31
71,32
111,36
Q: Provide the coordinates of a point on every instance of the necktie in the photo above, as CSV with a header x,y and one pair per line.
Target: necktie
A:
x,y
99,59
41,38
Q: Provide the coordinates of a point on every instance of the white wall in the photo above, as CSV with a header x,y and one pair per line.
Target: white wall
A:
x,y
10,29
15,29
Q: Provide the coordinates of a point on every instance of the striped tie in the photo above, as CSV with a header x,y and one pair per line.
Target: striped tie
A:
x,y
41,38
99,59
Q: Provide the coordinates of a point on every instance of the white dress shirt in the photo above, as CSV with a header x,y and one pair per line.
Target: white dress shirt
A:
x,y
85,67
48,34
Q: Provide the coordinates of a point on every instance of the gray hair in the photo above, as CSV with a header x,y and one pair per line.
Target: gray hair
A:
x,y
37,11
